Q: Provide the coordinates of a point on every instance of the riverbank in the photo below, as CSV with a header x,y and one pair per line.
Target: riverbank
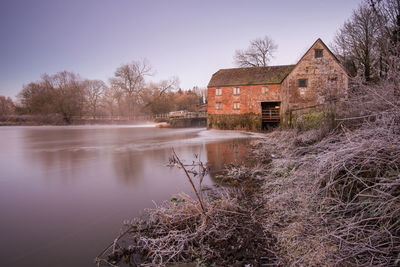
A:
x,y
259,221
57,120
310,198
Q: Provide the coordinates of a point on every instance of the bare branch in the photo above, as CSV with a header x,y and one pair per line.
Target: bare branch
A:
x,y
258,54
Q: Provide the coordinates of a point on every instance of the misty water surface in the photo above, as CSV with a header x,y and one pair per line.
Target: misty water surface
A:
x,y
65,191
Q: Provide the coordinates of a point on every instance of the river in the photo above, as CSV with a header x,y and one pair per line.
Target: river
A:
x,y
66,190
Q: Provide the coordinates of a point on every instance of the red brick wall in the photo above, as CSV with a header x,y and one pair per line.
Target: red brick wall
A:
x,y
250,98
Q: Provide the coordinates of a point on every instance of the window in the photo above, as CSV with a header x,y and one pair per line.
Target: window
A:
x,y
236,91
218,105
264,90
302,82
332,79
318,53
218,91
236,105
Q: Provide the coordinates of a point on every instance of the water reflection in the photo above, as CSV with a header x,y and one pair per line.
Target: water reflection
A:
x,y
220,154
75,185
65,153
129,166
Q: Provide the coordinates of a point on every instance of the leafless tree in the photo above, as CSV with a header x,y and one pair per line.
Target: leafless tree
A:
x,y
356,43
388,17
95,90
171,84
258,54
159,97
109,101
130,79
61,93
388,14
6,106
69,93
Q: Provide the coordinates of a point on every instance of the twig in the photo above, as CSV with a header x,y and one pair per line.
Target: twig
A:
x,y
190,181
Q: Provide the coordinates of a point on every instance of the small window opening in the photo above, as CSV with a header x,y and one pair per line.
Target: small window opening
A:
x,y
236,91
218,105
236,105
302,82
318,53
264,90
218,91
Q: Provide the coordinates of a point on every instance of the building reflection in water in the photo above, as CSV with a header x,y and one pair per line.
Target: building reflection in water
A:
x,y
222,153
74,154
84,181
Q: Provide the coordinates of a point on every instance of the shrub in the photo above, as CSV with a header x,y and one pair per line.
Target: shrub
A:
x,y
246,121
313,120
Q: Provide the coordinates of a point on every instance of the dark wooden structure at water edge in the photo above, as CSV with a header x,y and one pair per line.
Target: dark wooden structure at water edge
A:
x,y
183,119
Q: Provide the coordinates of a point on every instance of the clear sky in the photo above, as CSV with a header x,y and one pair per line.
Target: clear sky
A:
x,y
185,38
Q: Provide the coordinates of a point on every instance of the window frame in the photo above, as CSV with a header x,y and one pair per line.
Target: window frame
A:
x,y
301,84
236,90
218,91
318,53
236,105
264,90
218,105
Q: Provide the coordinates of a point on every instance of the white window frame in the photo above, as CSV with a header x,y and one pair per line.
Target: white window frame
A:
x,y
264,90
236,90
236,105
218,105
218,91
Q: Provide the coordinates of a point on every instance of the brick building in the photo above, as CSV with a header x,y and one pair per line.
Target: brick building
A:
x,y
268,93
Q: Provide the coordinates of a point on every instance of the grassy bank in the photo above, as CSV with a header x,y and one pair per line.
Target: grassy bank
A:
x,y
29,120
307,197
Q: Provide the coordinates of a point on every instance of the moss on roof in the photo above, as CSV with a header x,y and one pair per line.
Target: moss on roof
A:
x,y
250,76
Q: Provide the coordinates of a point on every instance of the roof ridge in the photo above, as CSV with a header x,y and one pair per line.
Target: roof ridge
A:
x,y
286,65
250,75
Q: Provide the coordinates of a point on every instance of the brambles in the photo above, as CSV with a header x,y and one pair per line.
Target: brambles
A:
x,y
223,227
359,179
179,231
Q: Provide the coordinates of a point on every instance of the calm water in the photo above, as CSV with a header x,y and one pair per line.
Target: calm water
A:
x,y
65,191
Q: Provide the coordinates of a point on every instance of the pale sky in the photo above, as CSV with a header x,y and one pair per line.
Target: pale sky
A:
x,y
185,38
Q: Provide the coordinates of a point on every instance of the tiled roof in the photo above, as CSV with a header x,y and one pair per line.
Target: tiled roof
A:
x,y
250,76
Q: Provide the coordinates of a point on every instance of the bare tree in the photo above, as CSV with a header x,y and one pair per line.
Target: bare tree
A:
x,y
258,54
37,98
69,93
159,97
388,17
388,14
109,100
61,93
171,84
130,79
6,106
356,43
95,90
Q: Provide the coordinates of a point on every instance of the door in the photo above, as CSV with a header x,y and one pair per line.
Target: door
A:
x,y
270,114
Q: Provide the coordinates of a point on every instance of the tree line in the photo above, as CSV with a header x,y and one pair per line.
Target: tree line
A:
x,y
367,42
367,45
364,44
127,94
